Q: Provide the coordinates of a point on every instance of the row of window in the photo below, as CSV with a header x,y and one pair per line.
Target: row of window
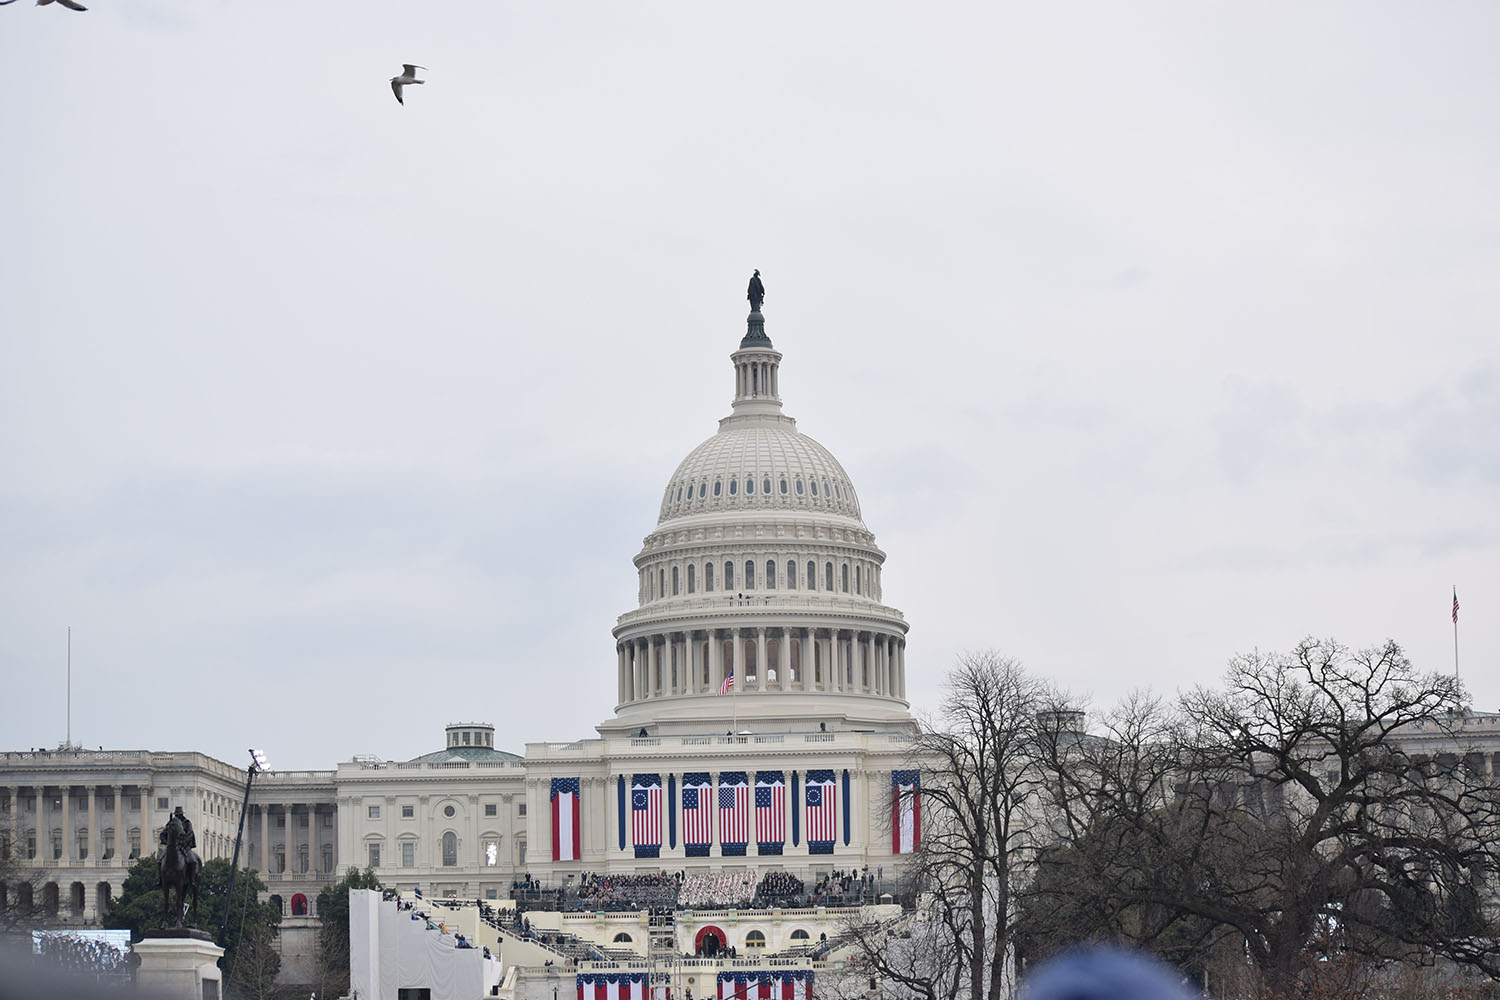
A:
x,y
718,487
489,851
55,840
684,579
80,803
410,812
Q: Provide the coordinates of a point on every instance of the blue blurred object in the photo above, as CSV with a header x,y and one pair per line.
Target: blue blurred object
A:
x,y
1105,974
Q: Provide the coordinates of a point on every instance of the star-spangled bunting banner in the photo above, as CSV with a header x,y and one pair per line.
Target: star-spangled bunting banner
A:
x,y
770,812
565,814
697,814
645,815
734,813
822,812
612,986
771,984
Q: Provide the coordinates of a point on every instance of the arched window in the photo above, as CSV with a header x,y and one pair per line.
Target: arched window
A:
x,y
661,579
702,490
783,487
858,580
828,576
770,574
717,486
755,939
275,901
844,577
674,581
814,484
799,487
749,575
692,581
622,938
800,935
450,849
299,905
708,577
729,576
734,486
749,486
791,575
812,575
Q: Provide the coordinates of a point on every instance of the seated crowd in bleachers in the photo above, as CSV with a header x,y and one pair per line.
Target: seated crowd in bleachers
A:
x,y
715,890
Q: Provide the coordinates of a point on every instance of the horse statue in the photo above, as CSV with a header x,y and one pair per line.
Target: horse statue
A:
x,y
180,865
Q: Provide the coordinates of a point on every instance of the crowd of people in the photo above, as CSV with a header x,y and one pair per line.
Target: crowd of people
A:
x,y
779,888
845,888
716,890
83,954
628,892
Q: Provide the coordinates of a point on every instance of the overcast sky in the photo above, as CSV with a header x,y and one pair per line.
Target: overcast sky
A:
x,y
1149,334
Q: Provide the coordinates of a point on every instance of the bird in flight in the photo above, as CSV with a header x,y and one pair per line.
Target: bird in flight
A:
x,y
70,4
408,75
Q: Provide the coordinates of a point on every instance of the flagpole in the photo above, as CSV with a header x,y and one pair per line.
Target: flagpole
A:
x,y
734,700
1455,631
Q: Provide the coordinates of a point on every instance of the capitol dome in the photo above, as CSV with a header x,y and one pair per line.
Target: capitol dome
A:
x,y
762,582
756,466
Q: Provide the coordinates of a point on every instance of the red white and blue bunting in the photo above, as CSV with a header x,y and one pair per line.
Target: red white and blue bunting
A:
x,y
612,986
772,984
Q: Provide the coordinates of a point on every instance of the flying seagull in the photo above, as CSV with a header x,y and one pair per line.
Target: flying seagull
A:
x,y
408,75
70,4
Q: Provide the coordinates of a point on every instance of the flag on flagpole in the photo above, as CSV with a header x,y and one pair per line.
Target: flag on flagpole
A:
x,y
1455,605
728,683
645,815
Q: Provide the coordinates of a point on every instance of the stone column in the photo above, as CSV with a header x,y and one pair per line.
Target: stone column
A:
x,y
122,842
265,840
67,824
715,660
312,838
148,834
871,670
784,671
620,672
39,796
739,659
94,839
693,665
654,671
15,820
762,667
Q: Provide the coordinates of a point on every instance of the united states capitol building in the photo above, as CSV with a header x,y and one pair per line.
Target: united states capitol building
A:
x,y
761,726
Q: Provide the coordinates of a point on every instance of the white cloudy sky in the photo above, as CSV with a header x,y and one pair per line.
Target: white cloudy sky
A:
x,y
1149,333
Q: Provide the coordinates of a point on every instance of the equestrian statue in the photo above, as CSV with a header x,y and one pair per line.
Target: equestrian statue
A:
x,y
180,866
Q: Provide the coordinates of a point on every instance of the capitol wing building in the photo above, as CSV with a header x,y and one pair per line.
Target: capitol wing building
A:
x,y
761,718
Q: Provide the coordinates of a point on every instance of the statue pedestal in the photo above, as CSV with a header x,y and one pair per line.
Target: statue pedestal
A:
x,y
179,964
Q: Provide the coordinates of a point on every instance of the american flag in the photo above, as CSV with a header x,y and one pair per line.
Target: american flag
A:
x,y
728,683
822,812
645,815
697,814
1455,607
770,811
734,811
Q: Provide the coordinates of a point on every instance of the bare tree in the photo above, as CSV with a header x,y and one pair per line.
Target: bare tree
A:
x,y
1285,815
978,785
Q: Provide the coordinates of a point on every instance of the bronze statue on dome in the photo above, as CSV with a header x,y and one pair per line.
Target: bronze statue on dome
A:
x,y
757,292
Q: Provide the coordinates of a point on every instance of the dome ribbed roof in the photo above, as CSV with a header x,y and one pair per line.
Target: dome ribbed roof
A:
x,y
755,465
